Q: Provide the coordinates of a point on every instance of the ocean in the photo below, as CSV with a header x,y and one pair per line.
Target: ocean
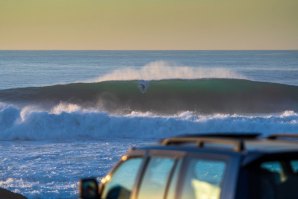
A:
x,y
65,115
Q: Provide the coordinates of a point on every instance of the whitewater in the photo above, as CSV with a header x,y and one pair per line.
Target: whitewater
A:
x,y
65,115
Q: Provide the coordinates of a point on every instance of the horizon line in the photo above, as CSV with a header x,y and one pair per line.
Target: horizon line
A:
x,y
149,49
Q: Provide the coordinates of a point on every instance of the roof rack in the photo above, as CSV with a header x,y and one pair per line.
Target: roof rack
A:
x,y
201,141
285,136
233,135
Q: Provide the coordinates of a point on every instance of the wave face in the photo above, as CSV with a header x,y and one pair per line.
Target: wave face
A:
x,y
162,97
71,123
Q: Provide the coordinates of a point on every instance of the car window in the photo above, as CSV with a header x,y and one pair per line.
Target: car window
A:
x,y
275,168
203,179
275,180
120,184
156,177
294,165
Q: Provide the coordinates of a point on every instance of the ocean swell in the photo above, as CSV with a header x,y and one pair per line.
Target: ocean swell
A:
x,y
162,97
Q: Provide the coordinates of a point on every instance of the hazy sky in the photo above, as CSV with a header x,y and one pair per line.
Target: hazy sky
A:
x,y
148,24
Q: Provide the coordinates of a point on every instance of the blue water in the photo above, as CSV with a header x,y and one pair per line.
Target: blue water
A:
x,y
43,153
38,68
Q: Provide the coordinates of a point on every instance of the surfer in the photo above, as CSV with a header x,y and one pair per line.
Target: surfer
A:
x,y
143,85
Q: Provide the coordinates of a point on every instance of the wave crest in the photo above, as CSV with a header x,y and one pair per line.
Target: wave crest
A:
x,y
160,70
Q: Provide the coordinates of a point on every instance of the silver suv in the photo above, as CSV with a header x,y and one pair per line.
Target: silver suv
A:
x,y
211,166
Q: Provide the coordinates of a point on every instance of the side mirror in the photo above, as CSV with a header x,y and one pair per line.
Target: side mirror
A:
x,y
88,188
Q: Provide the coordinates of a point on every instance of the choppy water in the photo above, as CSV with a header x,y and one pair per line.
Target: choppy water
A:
x,y
53,169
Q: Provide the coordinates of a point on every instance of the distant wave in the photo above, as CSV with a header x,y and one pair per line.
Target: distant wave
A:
x,y
66,123
161,70
163,97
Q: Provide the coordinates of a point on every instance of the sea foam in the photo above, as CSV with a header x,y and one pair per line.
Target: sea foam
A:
x,y
78,124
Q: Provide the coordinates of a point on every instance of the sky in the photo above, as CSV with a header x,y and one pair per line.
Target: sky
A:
x,y
148,24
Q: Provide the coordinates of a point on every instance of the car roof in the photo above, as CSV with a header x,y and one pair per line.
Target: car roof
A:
x,y
243,144
271,146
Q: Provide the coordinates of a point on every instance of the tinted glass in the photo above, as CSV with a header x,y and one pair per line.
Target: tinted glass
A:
x,y
273,169
294,164
122,181
275,180
156,178
203,179
272,166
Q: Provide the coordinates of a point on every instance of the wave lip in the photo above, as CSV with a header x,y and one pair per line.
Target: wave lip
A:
x,y
161,70
165,97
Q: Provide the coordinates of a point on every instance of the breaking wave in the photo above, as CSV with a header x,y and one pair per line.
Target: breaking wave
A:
x,y
67,123
162,97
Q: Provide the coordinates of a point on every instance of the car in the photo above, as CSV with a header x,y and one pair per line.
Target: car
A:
x,y
204,166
